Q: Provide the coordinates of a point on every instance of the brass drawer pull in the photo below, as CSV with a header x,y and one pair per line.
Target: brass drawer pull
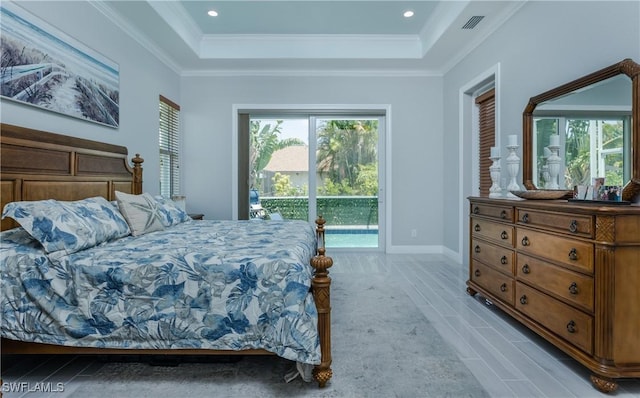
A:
x,y
571,327
573,227
503,287
525,218
573,254
526,269
504,235
477,249
476,210
573,288
476,272
525,241
523,299
476,228
503,214
504,260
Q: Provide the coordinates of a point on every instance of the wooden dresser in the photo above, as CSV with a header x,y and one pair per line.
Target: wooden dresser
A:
x,y
568,271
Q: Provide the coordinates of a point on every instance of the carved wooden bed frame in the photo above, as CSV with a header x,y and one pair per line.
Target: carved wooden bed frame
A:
x,y
37,165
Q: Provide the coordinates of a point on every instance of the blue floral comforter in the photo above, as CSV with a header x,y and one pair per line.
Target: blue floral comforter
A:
x,y
203,284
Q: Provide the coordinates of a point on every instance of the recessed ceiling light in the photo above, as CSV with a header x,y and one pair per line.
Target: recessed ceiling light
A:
x,y
213,13
408,14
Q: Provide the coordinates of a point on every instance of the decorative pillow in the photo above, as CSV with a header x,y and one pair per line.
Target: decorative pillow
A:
x,y
170,213
140,211
63,228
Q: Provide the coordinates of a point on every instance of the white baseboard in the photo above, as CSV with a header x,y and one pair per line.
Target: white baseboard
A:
x,y
455,256
410,249
431,249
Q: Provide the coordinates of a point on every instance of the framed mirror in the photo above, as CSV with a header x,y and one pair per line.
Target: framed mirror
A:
x,y
592,125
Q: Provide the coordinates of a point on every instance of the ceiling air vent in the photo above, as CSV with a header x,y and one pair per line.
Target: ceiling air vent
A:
x,y
473,21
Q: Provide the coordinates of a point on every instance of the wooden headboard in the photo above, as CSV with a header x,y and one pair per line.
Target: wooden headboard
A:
x,y
37,165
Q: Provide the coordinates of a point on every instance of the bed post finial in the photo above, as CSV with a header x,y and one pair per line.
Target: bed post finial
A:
x,y
321,284
137,174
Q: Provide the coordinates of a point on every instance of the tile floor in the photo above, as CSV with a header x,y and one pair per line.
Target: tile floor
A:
x,y
507,359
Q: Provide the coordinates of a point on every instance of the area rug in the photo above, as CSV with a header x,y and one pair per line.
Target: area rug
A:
x,y
383,346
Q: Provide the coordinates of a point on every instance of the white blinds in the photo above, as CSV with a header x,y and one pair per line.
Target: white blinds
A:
x,y
169,140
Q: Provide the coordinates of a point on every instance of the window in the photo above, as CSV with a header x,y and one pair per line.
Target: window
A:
x,y
169,138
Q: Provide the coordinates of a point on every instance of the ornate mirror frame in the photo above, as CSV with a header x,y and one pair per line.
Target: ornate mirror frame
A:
x,y
627,67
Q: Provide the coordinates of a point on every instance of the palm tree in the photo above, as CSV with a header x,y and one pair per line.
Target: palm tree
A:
x,y
577,153
264,141
344,146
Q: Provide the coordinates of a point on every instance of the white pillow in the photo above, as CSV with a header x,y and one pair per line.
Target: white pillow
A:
x,y
140,211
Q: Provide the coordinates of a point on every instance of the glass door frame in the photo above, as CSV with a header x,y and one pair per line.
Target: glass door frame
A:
x,y
313,139
382,113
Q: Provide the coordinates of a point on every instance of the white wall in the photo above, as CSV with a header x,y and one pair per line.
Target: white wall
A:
x,y
416,139
542,46
142,79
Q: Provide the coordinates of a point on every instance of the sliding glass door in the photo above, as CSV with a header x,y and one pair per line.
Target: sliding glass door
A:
x,y
348,180
279,164
304,166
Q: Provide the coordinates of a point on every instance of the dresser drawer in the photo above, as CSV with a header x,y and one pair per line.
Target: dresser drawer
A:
x,y
573,287
496,256
572,252
497,232
567,322
504,213
572,224
498,284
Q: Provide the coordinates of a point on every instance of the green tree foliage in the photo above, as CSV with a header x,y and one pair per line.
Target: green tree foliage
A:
x,y
577,152
347,153
613,138
264,141
283,187
578,149
367,181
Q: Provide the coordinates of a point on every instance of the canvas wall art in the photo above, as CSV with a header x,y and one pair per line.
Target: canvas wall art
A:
x,y
44,67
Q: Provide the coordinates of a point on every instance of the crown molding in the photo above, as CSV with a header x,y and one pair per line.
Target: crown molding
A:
x,y
284,46
306,46
310,73
176,16
136,35
310,47
386,40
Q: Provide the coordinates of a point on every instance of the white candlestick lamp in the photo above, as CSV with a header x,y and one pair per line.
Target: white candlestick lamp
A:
x,y
513,165
494,170
553,161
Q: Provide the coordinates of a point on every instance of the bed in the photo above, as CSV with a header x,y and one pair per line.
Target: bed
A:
x,y
162,285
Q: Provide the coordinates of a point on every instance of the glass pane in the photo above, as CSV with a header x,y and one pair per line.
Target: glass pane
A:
x,y
589,148
279,169
594,149
347,181
543,128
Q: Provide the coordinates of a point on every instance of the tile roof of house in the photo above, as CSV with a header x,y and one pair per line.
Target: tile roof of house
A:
x,y
291,159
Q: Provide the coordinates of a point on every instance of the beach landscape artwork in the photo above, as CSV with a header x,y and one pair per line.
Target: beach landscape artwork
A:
x,y
44,67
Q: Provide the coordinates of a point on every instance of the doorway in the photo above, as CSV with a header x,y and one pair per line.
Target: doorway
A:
x,y
324,163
